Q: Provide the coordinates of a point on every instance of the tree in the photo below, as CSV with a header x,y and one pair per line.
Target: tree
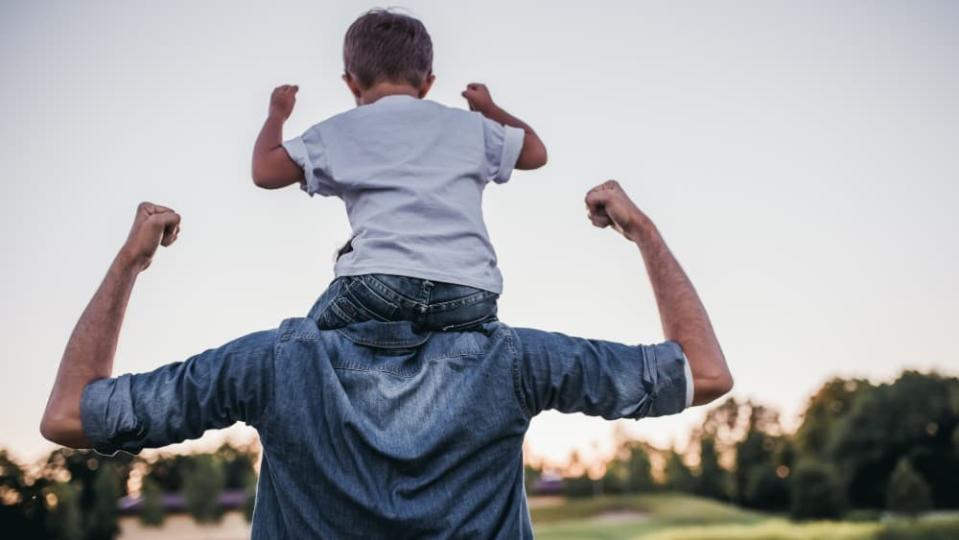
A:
x,y
531,475
754,454
169,471
914,416
816,494
22,512
101,523
152,513
639,469
579,486
630,471
713,479
830,404
249,502
766,489
678,476
63,516
722,425
237,465
908,493
202,487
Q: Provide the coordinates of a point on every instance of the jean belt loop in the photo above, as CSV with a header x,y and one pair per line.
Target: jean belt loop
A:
x,y
427,288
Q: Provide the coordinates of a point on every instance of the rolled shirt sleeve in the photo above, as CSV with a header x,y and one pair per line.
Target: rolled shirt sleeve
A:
x,y
182,400
503,147
599,378
309,152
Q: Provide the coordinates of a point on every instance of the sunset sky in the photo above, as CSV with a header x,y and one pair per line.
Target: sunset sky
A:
x,y
800,159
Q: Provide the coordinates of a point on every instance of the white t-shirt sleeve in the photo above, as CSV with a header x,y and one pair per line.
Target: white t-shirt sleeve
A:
x,y
309,153
689,381
503,146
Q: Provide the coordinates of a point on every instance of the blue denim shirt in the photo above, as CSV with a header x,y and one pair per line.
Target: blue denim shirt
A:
x,y
374,431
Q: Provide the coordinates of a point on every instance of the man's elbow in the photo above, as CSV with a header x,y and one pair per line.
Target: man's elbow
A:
x,y
51,429
63,431
709,389
540,157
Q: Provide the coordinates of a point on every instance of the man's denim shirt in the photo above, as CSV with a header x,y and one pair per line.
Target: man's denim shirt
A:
x,y
374,431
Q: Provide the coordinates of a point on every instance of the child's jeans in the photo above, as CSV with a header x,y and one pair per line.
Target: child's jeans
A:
x,y
429,305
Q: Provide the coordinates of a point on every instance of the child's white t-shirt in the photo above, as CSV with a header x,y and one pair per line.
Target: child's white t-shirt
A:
x,y
411,173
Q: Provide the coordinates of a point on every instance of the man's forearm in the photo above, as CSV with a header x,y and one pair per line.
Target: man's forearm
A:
x,y
683,316
89,353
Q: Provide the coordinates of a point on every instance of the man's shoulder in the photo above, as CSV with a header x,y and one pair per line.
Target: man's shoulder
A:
x,y
297,328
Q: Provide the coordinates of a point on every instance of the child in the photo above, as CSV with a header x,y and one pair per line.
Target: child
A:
x,y
411,173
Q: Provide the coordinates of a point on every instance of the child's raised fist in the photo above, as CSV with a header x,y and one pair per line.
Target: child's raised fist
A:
x,y
282,100
478,98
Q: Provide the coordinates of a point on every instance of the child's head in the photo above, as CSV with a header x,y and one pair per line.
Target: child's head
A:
x,y
385,46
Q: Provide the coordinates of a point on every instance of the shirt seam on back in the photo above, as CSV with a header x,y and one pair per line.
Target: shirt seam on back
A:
x,y
517,393
278,339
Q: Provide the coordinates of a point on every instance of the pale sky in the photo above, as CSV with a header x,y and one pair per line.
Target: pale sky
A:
x,y
799,157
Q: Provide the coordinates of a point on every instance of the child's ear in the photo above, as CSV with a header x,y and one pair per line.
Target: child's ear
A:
x,y
352,85
427,84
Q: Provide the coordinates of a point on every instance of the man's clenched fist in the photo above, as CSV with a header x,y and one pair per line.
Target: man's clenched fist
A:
x,y
153,226
608,205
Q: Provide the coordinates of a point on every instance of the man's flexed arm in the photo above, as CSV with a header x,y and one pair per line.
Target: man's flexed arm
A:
x,y
92,345
683,316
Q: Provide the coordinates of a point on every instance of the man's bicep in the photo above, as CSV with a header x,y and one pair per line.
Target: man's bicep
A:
x,y
180,401
599,378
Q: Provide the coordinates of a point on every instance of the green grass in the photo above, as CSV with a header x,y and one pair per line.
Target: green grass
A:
x,y
683,517
773,529
582,518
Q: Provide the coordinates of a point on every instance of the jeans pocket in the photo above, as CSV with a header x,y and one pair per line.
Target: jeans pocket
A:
x,y
374,302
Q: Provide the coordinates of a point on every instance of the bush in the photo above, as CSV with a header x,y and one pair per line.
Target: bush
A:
x,y
63,519
678,476
765,490
863,515
152,513
815,492
102,520
946,529
908,493
713,480
202,487
579,486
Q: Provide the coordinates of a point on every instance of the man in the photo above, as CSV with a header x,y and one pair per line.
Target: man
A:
x,y
373,430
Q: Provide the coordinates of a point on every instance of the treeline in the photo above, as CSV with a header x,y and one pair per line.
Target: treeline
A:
x,y
75,495
861,449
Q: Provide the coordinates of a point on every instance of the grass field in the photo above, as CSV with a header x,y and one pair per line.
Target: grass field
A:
x,y
681,517
645,517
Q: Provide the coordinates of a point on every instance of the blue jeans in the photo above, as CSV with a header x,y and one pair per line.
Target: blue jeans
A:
x,y
429,305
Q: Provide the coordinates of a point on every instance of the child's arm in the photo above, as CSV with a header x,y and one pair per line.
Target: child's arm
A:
x,y
533,155
272,166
